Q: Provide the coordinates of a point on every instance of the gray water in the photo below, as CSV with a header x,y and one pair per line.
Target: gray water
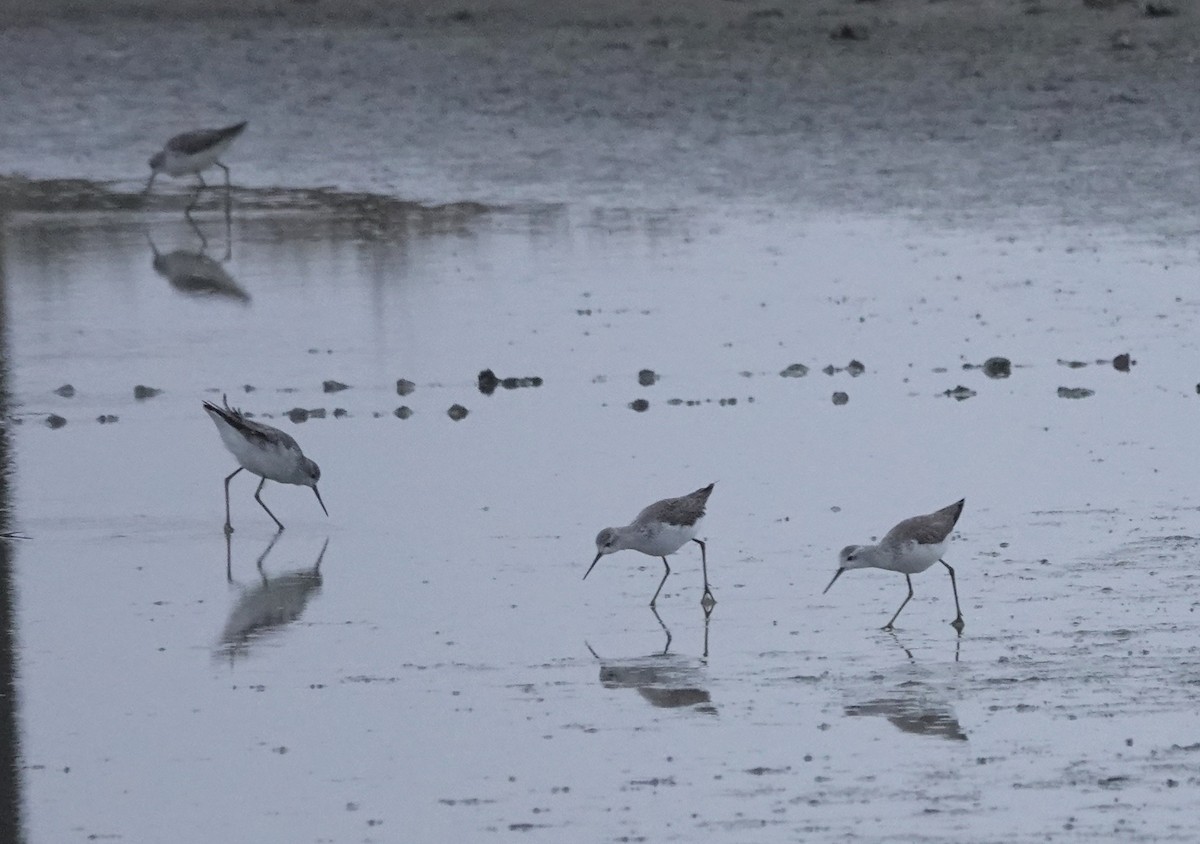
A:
x,y
444,674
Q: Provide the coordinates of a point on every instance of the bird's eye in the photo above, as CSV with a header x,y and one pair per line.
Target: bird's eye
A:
x,y
849,558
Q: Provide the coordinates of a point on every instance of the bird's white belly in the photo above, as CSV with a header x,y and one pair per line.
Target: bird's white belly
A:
x,y
916,558
661,539
271,462
177,164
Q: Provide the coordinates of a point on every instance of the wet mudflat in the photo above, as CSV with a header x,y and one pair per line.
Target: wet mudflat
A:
x,y
495,347
445,668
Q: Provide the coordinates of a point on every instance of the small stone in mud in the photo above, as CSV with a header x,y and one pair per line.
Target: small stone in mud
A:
x,y
298,415
66,391
404,387
249,388
457,412
334,386
855,368
106,419
1121,363
960,393
1072,364
1075,392
829,369
317,413
640,405
727,402
518,383
840,398
997,367
403,412
846,32
1159,10
647,377
340,413
796,370
487,381
677,402
55,421
143,392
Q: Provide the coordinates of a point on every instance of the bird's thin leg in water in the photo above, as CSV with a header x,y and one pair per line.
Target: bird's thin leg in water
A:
x,y
228,525
704,565
258,498
666,574
958,623
888,626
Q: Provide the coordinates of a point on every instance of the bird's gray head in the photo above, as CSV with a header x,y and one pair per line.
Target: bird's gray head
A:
x,y
312,471
607,541
849,557
157,160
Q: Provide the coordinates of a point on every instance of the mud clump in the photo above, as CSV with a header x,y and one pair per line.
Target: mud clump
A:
x,y
402,412
647,377
298,415
106,418
66,391
457,412
1075,392
404,387
487,382
334,386
54,421
340,413
143,392
840,398
997,367
1122,362
639,405
846,32
855,368
960,393
1072,364
796,370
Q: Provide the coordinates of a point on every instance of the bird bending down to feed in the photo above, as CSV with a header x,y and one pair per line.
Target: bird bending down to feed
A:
x,y
910,547
661,529
192,152
267,452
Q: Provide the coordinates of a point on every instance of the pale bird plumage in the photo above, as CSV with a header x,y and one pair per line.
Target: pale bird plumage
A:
x,y
910,547
660,530
265,451
191,153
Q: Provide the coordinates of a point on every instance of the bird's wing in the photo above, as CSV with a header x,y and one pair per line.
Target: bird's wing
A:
x,y
686,510
190,143
255,431
925,530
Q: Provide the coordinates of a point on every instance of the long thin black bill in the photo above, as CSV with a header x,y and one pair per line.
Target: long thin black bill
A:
x,y
592,566
835,577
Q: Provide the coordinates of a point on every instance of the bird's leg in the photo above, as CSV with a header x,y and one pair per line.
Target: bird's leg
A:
x,y
228,557
228,525
661,582
707,598
666,630
958,623
888,626
258,498
187,212
228,215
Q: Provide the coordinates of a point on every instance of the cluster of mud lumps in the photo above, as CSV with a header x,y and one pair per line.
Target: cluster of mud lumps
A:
x,y
487,381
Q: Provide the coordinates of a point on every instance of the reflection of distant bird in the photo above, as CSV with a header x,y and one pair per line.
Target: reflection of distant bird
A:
x,y
914,713
269,606
661,529
267,452
196,274
910,547
193,152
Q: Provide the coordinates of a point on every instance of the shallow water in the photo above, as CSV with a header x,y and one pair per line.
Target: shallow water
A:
x,y
427,663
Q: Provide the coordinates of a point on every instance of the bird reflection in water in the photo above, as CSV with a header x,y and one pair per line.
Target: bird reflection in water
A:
x,y
269,605
665,680
914,709
193,273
